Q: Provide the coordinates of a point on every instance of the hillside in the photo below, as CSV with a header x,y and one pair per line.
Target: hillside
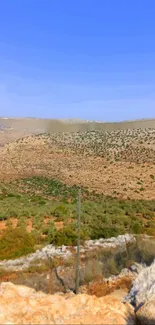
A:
x,y
118,163
39,179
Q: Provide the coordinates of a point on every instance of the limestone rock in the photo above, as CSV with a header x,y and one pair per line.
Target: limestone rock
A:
x,y
23,263
146,314
23,305
143,288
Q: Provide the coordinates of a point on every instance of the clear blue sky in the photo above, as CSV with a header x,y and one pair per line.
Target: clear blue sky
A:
x,y
90,59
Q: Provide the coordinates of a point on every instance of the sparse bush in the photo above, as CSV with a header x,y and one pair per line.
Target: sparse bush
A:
x,y
101,216
136,227
150,231
60,212
67,236
50,231
91,271
15,243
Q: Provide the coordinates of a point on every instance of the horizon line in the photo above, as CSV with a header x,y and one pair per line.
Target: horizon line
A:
x,y
77,120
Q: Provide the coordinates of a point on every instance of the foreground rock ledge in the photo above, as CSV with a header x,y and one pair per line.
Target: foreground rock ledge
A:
x,y
23,305
146,314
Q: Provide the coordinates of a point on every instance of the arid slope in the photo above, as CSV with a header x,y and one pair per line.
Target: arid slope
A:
x,y
117,163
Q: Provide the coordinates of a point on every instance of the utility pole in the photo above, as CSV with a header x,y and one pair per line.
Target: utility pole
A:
x,y
77,280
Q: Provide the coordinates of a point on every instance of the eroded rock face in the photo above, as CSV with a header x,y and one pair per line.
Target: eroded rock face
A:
x,y
143,288
146,314
142,295
23,305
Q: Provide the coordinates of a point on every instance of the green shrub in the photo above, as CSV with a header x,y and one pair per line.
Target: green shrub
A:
x,y
50,231
68,235
22,223
15,243
136,227
60,212
3,217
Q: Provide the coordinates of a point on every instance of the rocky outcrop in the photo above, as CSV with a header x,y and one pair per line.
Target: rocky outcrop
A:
x,y
22,305
23,263
143,287
142,295
146,314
